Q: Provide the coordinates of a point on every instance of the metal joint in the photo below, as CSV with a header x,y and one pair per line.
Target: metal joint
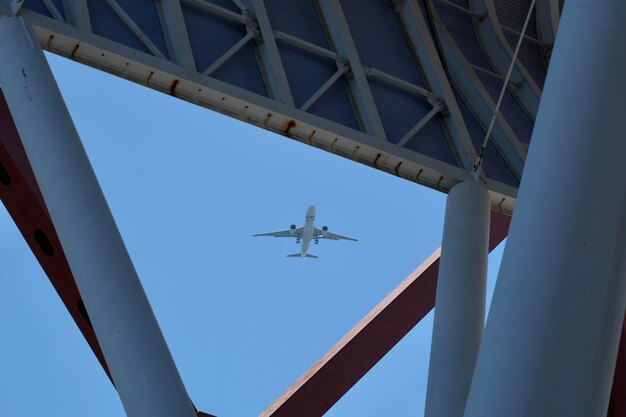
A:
x,y
251,22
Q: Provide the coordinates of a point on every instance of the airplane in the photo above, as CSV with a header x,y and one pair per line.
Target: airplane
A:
x,y
306,233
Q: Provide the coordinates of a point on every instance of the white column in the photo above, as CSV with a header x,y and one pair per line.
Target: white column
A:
x,y
553,331
140,363
460,304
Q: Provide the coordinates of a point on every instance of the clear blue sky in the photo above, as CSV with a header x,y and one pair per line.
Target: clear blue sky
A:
x,y
188,187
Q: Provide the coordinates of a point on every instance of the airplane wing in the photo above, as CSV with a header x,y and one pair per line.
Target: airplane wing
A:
x,y
283,233
319,234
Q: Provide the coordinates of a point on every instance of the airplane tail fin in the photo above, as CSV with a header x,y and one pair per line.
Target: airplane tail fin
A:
x,y
298,255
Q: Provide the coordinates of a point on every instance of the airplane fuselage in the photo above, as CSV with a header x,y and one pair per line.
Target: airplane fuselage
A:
x,y
307,230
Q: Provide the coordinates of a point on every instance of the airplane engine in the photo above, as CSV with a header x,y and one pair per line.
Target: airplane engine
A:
x,y
324,230
292,229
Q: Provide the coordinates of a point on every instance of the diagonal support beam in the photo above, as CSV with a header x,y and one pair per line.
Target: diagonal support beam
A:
x,y
474,93
341,69
268,55
175,30
53,10
338,32
436,109
423,47
77,14
134,27
232,51
21,197
359,350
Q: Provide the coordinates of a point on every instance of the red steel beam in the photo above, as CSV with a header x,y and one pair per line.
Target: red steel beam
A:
x,y
22,198
358,351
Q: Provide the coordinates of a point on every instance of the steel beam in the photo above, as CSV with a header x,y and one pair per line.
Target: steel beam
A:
x,y
340,37
421,42
175,31
216,10
461,299
77,14
52,8
267,52
22,199
476,96
547,17
307,46
558,308
499,52
139,361
134,27
362,347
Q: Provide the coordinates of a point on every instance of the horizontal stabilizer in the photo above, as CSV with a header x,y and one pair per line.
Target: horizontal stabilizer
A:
x,y
298,255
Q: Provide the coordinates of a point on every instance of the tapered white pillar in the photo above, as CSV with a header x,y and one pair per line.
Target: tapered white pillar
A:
x,y
140,363
553,330
460,303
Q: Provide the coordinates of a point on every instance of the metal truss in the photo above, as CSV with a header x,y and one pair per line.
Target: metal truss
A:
x,y
176,66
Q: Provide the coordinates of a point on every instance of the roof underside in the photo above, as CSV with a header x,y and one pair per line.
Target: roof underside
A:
x,y
407,87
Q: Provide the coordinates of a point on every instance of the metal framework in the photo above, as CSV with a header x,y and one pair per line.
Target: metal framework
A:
x,y
413,100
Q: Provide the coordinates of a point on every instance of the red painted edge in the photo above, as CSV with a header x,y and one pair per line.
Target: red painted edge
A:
x,y
24,202
617,405
356,353
22,199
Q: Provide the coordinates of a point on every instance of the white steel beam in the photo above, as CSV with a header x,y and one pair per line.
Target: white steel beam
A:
x,y
135,28
478,99
77,12
251,34
500,53
432,113
135,351
424,50
268,55
306,46
175,30
341,69
53,10
460,300
216,10
340,37
554,325
399,83
547,17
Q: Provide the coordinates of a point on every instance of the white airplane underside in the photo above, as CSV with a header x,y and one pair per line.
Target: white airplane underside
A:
x,y
305,234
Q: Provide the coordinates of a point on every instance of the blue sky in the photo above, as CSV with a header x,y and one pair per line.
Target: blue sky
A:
x,y
188,187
